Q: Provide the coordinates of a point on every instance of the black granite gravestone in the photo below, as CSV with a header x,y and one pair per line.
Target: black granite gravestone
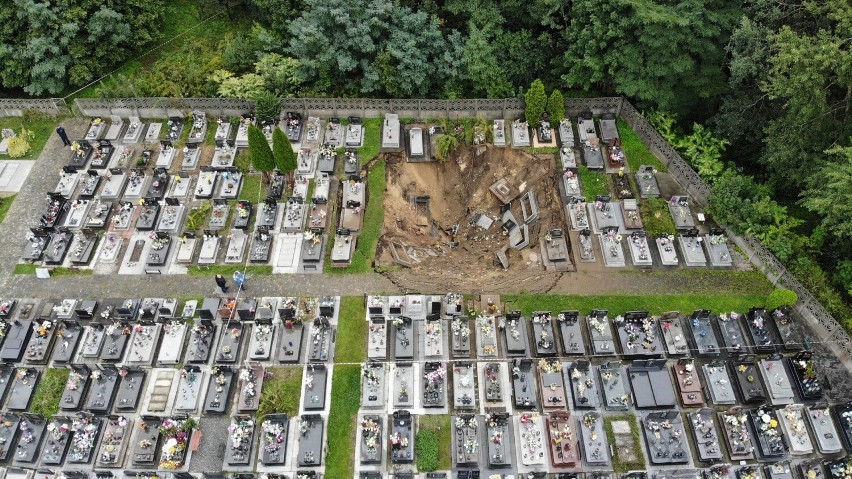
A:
x,y
434,385
771,443
702,337
76,387
571,333
757,324
405,338
747,380
22,389
131,386
240,446
524,388
33,429
310,440
117,432
585,392
316,381
145,447
652,385
273,441
402,438
737,435
290,340
103,389
543,338
9,428
201,339
69,335
600,333
371,440
705,435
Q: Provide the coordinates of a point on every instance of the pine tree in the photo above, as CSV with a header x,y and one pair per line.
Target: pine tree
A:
x,y
259,151
280,144
556,107
536,102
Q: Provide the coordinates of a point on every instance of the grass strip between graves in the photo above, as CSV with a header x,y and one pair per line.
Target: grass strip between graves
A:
x,y
5,205
227,270
342,418
655,304
353,329
432,443
656,218
617,463
49,392
63,271
542,150
25,268
637,152
251,190
593,183
281,393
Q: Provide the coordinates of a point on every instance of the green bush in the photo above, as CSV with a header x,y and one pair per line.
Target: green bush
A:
x,y
19,146
426,450
535,102
267,106
447,144
198,216
556,107
781,297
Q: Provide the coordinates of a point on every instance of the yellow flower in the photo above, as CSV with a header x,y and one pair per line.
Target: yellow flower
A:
x,y
773,423
742,368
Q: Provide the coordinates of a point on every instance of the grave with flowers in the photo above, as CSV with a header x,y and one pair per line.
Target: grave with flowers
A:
x,y
218,397
544,337
116,438
486,335
86,429
749,472
777,380
403,384
616,392
792,419
239,450
690,247
33,429
688,384
373,385
290,335
770,440
702,335
674,335
102,392
464,385
41,341
434,385
115,339
251,377
493,382
460,337
733,340
665,437
315,384
600,333
230,343
145,444
76,387
838,468
610,243
705,436
144,338
130,388
404,337
174,333
433,337
573,342
717,248
639,335
515,335
260,342
593,440
22,389
311,428
69,333
202,336
826,434
640,253
320,339
585,392
273,439
551,387
371,444
719,471
747,380
646,180
57,440
189,389
9,430
175,433
804,372
578,214
465,441
524,384
812,469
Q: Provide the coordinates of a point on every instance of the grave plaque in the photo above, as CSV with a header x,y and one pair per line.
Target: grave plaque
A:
x,y
665,438
219,387
260,343
434,390
404,338
690,247
102,391
805,375
493,383
189,388
600,333
132,384
377,343
771,444
515,335
581,375
616,394
552,388
17,337
705,435
240,446
316,380
788,329
757,326
373,386
543,335
86,434
486,336
320,340
593,440
41,342
464,385
674,335
465,440
613,252
33,429
520,133
9,428
251,384
230,343
717,249
143,341
310,440
652,384
701,334
777,381
75,388
667,250
499,128
571,332
688,384
747,380
115,339
639,335
273,440
115,442
146,442
647,182
433,338
826,435
22,389
201,338
290,340
792,419
371,440
403,385
171,348
57,440
69,335
524,388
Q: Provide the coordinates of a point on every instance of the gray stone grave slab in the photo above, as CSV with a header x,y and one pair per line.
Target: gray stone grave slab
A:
x,y
143,343
665,438
209,248
460,337
67,183
544,339
41,342
121,220
573,342
217,399
219,216
145,446
612,251
206,186
134,130
674,335
593,156
717,250
708,443
391,132
766,429
493,383
826,435
16,340
581,375
702,335
311,452
153,133
788,328
260,342
464,385
75,388
115,339
129,389
690,247
640,253
320,340
486,336
316,382
137,185
651,383
377,347
22,389
757,328
189,389
433,339
731,334
616,393
371,450
593,440
85,441
290,343
242,131
667,250
499,129
191,155
56,442
566,133
402,437
237,242
201,339
792,419
688,384
499,436
403,385
230,343
102,391
531,440
9,429
273,440
405,338
267,214
327,158
737,435
60,242
646,180
434,385
524,387
354,133
171,218
600,332
294,216
777,381
718,383
520,134
313,130
515,336
553,393
466,443
239,450
174,336
224,155
117,432
578,214
373,386
250,385
33,429
306,162
83,248
639,335
569,158
681,213
606,214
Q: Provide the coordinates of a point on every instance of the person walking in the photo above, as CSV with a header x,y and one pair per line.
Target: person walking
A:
x,y
61,132
222,283
240,280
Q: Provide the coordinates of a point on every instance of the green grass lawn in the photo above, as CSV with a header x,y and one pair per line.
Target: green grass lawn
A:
x,y
5,204
593,183
656,217
636,151
42,127
228,270
24,268
618,464
342,418
49,392
655,304
281,393
353,329
251,190
432,443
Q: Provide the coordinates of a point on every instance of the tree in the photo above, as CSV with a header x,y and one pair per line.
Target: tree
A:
x,y
482,63
535,102
279,74
259,152
781,297
266,106
414,46
556,107
829,193
245,86
280,147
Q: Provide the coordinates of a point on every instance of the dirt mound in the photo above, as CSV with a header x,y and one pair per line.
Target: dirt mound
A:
x,y
441,237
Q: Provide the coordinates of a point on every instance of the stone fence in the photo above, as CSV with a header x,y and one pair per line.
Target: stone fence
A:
x,y
830,330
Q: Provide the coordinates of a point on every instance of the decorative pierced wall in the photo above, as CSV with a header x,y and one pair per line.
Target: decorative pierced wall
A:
x,y
17,106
